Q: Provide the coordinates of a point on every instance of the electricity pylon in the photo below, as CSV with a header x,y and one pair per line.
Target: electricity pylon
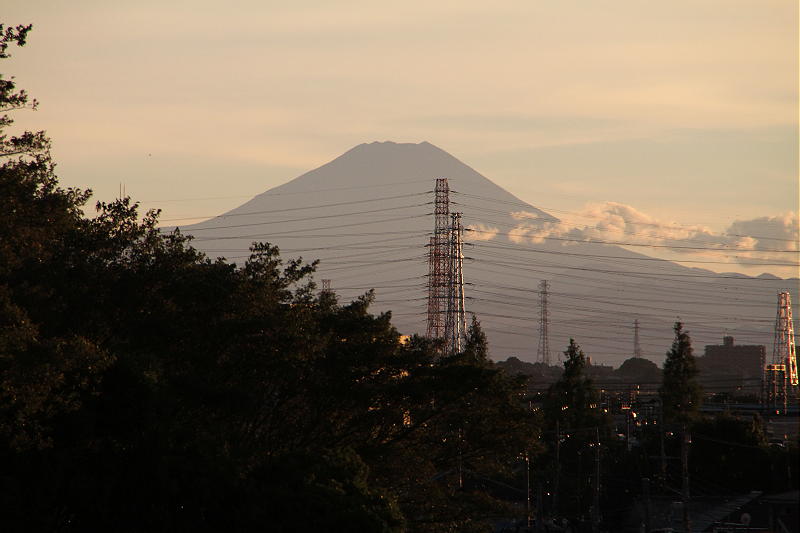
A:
x,y
455,330
780,376
543,351
438,261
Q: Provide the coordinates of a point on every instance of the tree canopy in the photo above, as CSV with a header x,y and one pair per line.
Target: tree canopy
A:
x,y
144,386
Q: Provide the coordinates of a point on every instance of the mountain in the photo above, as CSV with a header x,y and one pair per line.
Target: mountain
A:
x,y
367,215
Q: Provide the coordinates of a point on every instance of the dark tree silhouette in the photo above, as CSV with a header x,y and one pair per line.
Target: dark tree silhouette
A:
x,y
680,393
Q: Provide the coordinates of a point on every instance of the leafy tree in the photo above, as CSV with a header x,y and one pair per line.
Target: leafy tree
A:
x,y
732,452
639,369
145,387
11,99
456,454
680,393
44,372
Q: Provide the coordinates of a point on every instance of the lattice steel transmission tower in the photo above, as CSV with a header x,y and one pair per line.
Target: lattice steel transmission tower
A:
x,y
780,376
543,351
433,302
455,328
637,348
438,261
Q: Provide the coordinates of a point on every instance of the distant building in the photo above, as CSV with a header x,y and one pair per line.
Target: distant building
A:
x,y
727,367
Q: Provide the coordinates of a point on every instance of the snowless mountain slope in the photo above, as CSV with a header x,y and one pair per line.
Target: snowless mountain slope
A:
x,y
368,216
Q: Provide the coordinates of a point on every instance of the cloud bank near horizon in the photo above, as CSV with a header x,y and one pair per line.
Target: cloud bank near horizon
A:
x,y
767,241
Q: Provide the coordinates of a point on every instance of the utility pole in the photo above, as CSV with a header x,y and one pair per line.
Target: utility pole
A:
x,y
685,441
596,491
637,348
558,469
543,351
661,435
539,508
646,496
460,461
529,515
628,430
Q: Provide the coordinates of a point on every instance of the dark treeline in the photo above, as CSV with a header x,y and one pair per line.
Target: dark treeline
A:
x,y
146,387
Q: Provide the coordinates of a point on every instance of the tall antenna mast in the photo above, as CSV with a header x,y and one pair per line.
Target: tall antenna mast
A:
x,y
543,352
438,261
780,375
637,348
456,321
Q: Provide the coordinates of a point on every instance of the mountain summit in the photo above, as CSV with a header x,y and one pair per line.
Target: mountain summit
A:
x,y
368,216
395,166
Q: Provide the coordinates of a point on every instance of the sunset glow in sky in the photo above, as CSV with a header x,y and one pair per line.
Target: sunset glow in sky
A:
x,y
685,112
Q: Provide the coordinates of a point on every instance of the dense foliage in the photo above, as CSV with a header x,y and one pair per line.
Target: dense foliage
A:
x,y
145,387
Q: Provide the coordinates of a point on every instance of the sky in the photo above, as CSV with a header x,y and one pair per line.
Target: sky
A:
x,y
681,113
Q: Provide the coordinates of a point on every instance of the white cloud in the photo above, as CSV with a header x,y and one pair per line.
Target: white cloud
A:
x,y
616,221
768,233
480,232
759,240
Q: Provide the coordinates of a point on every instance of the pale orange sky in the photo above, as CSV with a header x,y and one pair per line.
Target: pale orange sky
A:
x,y
685,110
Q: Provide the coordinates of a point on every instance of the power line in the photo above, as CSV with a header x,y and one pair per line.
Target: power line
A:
x,y
503,246
306,191
524,234
284,233
617,296
583,215
379,255
643,275
305,219
689,287
319,206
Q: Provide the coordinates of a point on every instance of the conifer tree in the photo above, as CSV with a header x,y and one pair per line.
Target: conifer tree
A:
x,y
680,392
573,400
680,398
